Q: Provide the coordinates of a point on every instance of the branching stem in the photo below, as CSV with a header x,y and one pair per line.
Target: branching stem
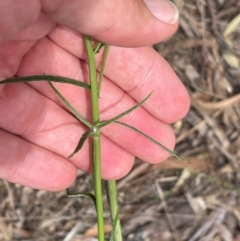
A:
x,y
96,148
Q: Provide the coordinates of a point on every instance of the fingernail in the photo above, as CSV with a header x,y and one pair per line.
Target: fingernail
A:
x,y
164,10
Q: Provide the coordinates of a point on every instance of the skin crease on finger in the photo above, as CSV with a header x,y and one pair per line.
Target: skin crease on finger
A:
x,y
15,16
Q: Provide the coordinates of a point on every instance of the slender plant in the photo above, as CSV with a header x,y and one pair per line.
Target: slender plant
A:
x,y
94,133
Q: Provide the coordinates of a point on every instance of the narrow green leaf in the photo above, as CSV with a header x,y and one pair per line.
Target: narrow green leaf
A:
x,y
70,107
152,140
96,50
82,140
82,194
104,61
104,123
116,234
45,78
114,225
181,6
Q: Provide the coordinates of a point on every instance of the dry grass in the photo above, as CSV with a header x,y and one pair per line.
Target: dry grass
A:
x,y
171,201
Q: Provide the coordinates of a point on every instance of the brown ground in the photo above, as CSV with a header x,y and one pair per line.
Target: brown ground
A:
x,y
175,201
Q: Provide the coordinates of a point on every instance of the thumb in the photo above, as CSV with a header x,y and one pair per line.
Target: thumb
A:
x,y
127,23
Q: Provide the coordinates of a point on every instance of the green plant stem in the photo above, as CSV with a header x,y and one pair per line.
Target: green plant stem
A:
x,y
116,234
96,150
114,209
104,61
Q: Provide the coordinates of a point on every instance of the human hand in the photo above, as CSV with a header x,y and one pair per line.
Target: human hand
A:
x,y
37,134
